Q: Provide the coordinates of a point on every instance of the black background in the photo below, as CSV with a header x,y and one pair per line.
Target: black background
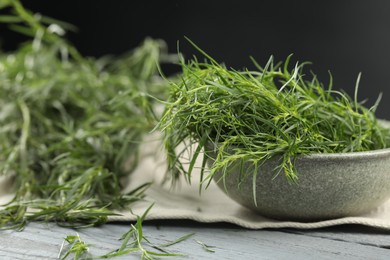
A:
x,y
345,37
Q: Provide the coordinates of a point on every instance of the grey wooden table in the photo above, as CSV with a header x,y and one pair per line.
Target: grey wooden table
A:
x,y
43,241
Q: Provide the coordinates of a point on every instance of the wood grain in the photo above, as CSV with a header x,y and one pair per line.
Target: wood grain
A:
x,y
43,241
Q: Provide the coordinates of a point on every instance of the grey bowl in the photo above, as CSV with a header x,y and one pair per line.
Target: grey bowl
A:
x,y
329,186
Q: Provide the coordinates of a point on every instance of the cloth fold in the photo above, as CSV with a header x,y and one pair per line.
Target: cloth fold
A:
x,y
213,205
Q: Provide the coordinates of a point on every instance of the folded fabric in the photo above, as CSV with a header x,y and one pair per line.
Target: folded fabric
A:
x,y
213,205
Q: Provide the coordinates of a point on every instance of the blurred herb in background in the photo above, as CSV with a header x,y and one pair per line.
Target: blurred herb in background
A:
x,y
71,126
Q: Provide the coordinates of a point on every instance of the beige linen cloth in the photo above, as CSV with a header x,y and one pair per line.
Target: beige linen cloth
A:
x,y
184,201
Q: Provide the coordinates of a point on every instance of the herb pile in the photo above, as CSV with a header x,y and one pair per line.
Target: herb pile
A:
x,y
254,116
70,126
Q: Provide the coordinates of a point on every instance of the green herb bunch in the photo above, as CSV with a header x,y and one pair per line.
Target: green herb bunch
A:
x,y
254,116
70,126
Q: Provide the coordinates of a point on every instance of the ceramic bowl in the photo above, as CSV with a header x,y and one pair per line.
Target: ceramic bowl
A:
x,y
329,186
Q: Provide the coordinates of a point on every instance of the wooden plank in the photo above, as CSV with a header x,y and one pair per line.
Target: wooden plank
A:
x,y
350,233
43,241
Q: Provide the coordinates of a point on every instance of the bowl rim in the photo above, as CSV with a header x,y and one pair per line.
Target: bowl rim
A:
x,y
377,153
384,152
